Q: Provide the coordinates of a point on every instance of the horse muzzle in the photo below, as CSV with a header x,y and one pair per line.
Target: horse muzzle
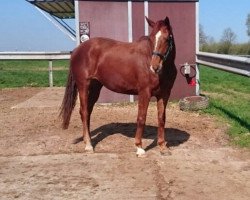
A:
x,y
155,70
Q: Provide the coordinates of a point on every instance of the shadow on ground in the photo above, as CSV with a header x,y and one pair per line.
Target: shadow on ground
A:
x,y
174,137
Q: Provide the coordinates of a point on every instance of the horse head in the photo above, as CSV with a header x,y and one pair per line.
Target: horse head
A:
x,y
163,41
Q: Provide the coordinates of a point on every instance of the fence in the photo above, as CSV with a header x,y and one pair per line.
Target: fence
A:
x,y
235,64
50,56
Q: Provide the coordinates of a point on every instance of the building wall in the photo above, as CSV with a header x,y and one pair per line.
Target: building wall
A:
x,y
182,18
110,19
107,19
138,23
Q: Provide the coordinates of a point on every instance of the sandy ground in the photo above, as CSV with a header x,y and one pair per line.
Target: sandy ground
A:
x,y
39,160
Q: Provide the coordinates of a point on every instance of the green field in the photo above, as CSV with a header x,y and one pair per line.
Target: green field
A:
x,y
229,100
229,93
32,73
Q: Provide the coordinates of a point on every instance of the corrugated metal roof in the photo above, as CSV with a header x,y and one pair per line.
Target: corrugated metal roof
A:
x,y
63,9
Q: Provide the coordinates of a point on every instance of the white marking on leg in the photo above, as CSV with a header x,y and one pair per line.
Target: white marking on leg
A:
x,y
89,148
140,152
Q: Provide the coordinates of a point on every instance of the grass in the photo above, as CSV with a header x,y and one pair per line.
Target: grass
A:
x,y
31,73
230,100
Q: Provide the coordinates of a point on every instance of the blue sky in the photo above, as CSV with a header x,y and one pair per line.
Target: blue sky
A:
x,y
23,28
217,15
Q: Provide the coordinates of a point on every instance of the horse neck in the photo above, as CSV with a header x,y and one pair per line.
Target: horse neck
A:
x,y
152,39
148,42
173,54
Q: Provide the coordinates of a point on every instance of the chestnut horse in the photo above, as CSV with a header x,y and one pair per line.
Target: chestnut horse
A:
x,y
145,68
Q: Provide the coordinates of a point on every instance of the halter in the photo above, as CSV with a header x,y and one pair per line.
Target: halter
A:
x,y
170,47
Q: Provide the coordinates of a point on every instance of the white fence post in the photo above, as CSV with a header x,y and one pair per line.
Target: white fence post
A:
x,y
50,73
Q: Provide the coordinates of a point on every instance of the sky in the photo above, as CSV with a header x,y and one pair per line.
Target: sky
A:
x,y
217,15
23,28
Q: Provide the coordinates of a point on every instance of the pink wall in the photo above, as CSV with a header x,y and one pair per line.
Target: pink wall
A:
x,y
182,19
110,19
107,19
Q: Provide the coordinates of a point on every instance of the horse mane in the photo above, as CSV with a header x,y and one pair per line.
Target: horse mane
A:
x,y
143,38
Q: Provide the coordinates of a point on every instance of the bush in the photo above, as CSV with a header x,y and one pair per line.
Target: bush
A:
x,y
227,48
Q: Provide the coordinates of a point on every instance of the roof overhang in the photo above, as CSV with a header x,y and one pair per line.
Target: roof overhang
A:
x,y
63,9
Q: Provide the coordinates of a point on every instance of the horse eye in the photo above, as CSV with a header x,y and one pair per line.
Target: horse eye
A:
x,y
164,30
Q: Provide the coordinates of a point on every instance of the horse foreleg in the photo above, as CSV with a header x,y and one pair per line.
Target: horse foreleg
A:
x,y
143,101
161,107
83,95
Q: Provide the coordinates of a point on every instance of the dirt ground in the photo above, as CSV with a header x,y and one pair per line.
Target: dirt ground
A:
x,y
39,160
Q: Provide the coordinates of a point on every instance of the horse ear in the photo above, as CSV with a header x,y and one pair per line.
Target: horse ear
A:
x,y
166,21
150,22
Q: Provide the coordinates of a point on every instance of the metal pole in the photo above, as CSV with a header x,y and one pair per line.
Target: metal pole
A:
x,y
50,73
146,14
197,90
197,49
77,22
57,24
130,23
130,34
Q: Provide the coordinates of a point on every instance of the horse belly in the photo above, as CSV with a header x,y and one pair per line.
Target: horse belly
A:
x,y
119,82
119,77
122,69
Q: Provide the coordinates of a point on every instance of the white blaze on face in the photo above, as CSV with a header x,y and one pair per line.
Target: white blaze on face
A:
x,y
157,36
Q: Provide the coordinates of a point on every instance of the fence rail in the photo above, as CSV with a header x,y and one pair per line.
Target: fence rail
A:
x,y
235,64
50,56
34,55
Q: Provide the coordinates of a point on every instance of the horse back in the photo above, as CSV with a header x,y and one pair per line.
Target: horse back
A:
x,y
121,66
111,52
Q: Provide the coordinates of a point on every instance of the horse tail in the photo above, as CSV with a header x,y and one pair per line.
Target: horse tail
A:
x,y
69,100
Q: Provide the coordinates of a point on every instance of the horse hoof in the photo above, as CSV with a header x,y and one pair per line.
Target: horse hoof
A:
x,y
89,149
165,152
140,152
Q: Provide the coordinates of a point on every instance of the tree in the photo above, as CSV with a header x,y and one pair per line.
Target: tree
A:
x,y
228,38
248,24
202,36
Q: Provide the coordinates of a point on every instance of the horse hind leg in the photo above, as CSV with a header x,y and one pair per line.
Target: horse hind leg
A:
x,y
83,95
88,95
94,93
